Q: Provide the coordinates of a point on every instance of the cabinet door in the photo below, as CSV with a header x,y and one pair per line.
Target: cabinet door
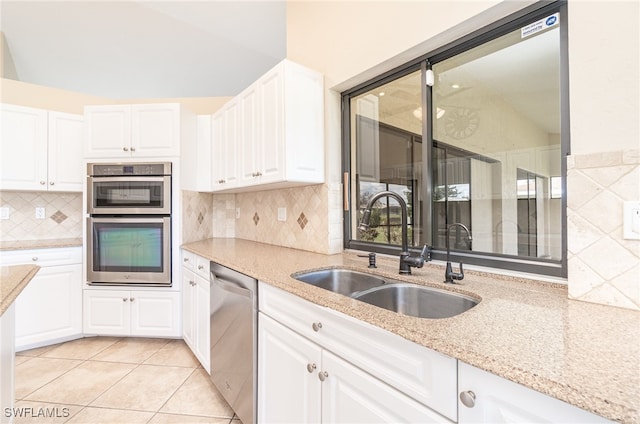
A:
x,y
155,130
250,165
231,140
106,312
66,152
349,395
155,314
272,121
498,400
108,131
49,309
288,366
218,145
203,321
23,158
188,302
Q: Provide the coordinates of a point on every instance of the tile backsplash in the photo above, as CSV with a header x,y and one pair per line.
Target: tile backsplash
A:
x,y
62,218
293,217
297,217
197,216
603,266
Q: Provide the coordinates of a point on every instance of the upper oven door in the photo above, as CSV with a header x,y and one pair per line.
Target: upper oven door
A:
x,y
129,195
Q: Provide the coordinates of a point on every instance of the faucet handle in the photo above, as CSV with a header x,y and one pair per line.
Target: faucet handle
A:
x,y
426,252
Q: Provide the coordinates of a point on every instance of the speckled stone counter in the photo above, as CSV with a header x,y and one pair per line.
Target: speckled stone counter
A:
x,y
40,244
12,280
526,331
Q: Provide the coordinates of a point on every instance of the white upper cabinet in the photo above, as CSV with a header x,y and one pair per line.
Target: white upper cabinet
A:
x,y
277,132
144,130
225,139
41,150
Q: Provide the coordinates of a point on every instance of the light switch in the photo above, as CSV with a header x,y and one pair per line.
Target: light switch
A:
x,y
4,213
631,221
40,213
282,214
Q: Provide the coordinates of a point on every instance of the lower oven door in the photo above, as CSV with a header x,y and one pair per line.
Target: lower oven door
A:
x,y
129,251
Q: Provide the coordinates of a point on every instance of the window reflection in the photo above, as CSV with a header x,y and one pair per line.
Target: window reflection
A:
x,y
496,125
494,151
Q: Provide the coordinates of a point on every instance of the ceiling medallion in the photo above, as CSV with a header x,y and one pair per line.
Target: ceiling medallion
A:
x,y
461,122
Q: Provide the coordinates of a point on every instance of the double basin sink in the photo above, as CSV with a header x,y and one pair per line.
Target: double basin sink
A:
x,y
394,295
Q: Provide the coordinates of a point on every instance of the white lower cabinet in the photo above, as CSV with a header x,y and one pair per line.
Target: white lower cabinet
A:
x,y
195,315
196,306
487,398
132,313
316,365
49,308
301,382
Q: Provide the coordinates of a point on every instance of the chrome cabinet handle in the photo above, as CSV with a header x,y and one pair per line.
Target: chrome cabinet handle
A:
x,y
132,299
323,375
200,267
51,183
124,299
468,398
126,149
192,282
311,368
133,149
185,259
34,259
42,183
316,326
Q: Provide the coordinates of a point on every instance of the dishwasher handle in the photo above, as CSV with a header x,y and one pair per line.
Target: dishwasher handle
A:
x,y
231,287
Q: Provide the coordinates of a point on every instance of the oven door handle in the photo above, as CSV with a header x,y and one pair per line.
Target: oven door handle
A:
x,y
231,287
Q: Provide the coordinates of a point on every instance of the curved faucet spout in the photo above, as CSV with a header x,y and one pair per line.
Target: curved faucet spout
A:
x,y
449,275
406,261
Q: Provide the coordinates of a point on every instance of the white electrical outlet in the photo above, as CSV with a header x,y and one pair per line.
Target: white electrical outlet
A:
x,y
631,226
282,214
40,213
4,213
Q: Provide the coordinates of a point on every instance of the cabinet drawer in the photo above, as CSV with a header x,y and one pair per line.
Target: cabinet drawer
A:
x,y
426,375
42,257
202,267
188,260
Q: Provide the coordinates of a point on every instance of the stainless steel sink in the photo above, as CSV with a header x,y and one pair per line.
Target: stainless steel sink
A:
x,y
393,295
417,301
343,281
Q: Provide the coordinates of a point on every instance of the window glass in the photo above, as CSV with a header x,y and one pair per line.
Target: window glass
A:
x,y
487,157
496,131
386,126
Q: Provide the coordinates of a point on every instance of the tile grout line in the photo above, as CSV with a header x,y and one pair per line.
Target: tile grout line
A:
x,y
172,395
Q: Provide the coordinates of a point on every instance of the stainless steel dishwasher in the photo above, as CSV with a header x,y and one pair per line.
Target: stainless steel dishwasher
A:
x,y
234,339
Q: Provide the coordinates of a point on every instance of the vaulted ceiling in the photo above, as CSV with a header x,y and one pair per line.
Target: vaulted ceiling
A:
x,y
130,49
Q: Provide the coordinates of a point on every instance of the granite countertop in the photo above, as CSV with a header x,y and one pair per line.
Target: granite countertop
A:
x,y
40,244
12,280
526,331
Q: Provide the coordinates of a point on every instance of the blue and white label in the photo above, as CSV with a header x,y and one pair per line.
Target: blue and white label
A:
x,y
541,25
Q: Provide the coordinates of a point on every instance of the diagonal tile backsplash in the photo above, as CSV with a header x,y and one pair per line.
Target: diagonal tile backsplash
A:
x,y
603,266
63,215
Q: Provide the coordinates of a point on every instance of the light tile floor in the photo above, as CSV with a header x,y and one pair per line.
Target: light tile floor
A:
x,y
116,380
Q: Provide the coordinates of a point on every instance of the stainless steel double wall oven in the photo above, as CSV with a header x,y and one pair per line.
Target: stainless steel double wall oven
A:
x,y
129,224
